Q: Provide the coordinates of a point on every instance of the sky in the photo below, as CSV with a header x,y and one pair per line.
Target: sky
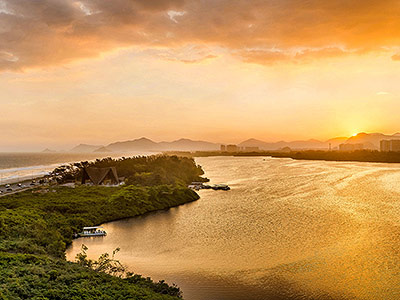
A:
x,y
99,71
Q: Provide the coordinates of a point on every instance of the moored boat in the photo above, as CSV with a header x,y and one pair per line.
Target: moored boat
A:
x,y
199,185
223,187
92,231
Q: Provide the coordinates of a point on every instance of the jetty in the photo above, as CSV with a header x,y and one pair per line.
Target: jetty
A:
x,y
200,186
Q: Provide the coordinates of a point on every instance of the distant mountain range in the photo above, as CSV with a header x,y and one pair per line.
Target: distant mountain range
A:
x,y
369,140
307,144
145,144
83,148
47,150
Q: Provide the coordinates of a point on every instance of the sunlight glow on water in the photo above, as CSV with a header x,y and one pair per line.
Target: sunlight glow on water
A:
x,y
287,230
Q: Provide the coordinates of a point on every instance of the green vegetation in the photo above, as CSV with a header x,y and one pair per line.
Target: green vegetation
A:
x,y
143,170
358,155
36,228
27,276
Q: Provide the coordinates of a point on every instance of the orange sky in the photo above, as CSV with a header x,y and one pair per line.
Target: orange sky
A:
x,y
99,71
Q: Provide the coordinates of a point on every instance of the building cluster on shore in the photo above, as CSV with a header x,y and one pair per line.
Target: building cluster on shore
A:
x,y
236,148
385,146
351,147
390,145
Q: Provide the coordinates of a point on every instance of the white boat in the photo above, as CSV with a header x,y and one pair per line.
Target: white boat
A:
x,y
92,231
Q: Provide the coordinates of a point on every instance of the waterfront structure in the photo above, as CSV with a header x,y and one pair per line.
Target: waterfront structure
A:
x,y
351,147
395,145
385,145
251,149
390,145
232,148
99,175
285,150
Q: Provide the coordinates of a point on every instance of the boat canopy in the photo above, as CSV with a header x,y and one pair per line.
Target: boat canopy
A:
x,y
93,227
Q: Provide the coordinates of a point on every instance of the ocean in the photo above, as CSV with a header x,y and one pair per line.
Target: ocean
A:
x,y
16,167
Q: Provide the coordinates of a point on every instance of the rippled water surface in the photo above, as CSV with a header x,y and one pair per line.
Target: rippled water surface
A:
x,y
287,230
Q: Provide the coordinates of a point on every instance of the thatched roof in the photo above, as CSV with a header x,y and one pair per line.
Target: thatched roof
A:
x,y
98,175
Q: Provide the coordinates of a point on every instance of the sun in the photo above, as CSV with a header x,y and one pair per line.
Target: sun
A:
x,y
354,134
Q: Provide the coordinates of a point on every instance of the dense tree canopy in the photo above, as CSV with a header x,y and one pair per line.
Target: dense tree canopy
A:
x,y
36,227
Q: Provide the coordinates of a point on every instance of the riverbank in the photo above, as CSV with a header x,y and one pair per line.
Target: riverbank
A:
x,y
35,230
37,226
356,156
287,230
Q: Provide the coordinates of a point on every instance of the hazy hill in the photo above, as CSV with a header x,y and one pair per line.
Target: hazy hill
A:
x,y
371,140
142,144
335,142
257,143
188,145
102,150
145,144
308,144
81,148
47,150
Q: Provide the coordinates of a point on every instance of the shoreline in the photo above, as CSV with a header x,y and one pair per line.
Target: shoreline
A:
x,y
317,155
136,216
46,249
37,227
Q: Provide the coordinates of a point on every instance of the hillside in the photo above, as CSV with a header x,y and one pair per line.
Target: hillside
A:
x,y
370,141
85,148
36,228
188,145
142,144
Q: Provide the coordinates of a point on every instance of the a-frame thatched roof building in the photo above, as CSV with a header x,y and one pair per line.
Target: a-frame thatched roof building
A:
x,y
98,175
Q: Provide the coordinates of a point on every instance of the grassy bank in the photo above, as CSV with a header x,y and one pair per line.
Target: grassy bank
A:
x,y
36,228
45,223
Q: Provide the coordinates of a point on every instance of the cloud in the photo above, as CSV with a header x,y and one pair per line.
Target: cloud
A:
x,y
396,57
173,14
383,93
51,32
189,54
302,55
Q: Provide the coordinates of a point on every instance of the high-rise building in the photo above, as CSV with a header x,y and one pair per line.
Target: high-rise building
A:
x,y
351,147
385,145
390,145
232,148
395,145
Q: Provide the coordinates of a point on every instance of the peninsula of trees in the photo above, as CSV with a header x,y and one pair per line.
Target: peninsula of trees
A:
x,y
36,227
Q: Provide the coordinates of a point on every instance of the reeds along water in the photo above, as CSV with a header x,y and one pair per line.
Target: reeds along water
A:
x,y
286,230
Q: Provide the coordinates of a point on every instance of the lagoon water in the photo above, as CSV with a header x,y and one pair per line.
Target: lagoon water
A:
x,y
287,230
